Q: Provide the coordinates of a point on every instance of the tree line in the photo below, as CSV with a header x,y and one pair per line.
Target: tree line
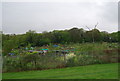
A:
x,y
74,35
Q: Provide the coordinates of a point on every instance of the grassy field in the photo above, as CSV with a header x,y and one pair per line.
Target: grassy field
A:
x,y
98,71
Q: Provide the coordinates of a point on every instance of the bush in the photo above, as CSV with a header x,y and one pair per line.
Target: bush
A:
x,y
31,62
92,57
71,62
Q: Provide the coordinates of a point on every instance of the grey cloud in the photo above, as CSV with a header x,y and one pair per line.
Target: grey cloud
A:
x,y
22,16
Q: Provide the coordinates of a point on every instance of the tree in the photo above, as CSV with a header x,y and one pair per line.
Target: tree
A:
x,y
114,37
56,37
30,37
96,35
76,34
105,36
8,46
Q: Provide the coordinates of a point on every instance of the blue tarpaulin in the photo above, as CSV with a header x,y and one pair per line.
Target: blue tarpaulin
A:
x,y
11,53
55,45
45,49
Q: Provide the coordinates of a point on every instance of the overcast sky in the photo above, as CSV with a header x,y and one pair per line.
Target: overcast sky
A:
x,y
19,17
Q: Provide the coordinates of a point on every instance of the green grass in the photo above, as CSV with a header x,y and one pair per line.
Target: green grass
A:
x,y
99,71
